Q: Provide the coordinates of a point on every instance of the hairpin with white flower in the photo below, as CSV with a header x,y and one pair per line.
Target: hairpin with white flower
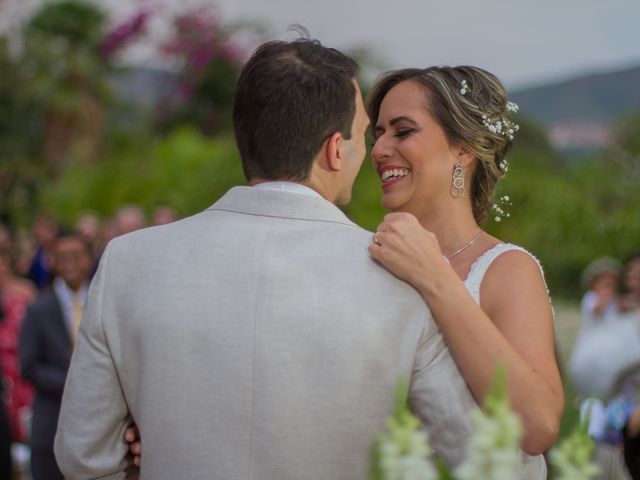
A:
x,y
498,208
500,125
464,87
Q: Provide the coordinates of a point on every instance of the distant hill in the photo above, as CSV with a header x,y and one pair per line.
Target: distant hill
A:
x,y
580,112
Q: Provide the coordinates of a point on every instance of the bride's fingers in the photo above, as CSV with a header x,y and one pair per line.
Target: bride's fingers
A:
x,y
131,434
377,252
136,448
399,216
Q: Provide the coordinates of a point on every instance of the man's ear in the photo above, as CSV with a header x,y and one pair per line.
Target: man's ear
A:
x,y
333,152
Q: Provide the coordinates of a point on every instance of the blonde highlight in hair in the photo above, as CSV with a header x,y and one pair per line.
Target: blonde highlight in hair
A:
x,y
461,118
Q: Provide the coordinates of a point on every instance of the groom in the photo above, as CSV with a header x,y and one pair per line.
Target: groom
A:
x,y
257,339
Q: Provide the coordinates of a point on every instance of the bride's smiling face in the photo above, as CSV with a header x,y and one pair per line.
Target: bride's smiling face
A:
x,y
411,153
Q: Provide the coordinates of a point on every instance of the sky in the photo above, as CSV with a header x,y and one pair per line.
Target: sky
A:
x,y
524,42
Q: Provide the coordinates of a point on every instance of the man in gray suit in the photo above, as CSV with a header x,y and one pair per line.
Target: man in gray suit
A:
x,y
257,339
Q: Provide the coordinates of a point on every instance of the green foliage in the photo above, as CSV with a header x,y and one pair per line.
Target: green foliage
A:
x,y
568,213
184,170
20,129
365,208
77,21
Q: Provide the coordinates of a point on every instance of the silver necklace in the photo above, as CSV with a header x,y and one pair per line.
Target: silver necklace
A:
x,y
465,246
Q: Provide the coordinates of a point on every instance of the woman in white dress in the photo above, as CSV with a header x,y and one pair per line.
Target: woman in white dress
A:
x,y
441,135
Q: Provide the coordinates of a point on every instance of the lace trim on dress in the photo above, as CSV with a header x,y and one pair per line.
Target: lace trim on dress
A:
x,y
483,262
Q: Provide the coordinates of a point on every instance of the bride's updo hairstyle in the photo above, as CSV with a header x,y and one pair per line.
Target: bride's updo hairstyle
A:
x,y
470,104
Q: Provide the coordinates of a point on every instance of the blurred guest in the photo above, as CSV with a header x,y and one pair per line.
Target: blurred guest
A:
x,y
601,279
5,237
631,301
163,215
5,431
90,228
44,232
23,249
129,219
606,350
5,441
110,230
46,344
15,294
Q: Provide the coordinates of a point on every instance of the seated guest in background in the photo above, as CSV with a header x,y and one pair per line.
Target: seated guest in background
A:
x,y
46,344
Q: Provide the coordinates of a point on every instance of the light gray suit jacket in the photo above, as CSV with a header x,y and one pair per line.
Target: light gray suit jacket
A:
x,y
255,340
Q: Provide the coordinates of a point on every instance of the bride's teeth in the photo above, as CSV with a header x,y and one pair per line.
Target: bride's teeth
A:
x,y
396,172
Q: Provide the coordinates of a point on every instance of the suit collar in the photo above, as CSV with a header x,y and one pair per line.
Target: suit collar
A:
x,y
281,204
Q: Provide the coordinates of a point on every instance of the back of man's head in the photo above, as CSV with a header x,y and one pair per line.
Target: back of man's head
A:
x,y
290,97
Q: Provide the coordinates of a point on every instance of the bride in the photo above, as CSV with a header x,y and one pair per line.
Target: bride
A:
x,y
441,135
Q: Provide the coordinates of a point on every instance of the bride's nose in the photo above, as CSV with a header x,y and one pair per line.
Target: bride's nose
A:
x,y
380,148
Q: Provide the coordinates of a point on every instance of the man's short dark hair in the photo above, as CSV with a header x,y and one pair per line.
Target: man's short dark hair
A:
x,y
290,97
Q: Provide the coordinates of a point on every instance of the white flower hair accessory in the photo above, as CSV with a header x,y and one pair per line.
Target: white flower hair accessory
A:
x,y
499,208
500,125
464,88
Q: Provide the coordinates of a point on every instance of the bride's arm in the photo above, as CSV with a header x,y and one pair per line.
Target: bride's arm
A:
x,y
514,325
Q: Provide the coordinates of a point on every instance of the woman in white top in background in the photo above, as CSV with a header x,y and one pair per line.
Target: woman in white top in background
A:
x,y
441,135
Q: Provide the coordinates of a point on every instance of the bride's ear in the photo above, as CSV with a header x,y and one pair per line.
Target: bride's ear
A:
x,y
464,156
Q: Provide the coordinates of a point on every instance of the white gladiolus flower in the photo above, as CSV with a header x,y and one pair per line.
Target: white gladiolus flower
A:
x,y
494,449
403,452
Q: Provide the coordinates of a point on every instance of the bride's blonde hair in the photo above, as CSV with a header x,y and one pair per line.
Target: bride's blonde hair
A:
x,y
468,103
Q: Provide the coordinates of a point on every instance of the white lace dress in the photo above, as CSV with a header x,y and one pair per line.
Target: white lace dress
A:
x,y
533,468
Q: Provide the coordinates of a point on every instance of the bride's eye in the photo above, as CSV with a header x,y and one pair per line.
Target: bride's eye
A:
x,y
404,132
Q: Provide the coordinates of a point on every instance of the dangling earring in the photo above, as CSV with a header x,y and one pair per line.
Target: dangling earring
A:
x,y
457,182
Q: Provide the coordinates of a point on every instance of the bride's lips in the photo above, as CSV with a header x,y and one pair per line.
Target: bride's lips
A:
x,y
392,174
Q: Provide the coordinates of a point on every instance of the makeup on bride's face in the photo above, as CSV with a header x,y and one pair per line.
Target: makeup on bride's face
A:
x,y
400,128
411,153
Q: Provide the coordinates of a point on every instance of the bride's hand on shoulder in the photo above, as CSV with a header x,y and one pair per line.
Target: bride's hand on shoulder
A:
x,y
406,248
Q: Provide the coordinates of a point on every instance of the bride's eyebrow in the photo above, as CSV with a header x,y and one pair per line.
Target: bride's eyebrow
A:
x,y
401,118
379,129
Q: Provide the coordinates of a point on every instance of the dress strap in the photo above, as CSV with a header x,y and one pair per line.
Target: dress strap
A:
x,y
484,261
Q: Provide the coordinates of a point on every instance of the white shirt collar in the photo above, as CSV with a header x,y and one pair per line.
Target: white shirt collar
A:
x,y
292,187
